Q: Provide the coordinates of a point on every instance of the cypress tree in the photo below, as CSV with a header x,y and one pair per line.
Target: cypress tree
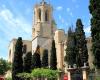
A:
x,y
36,61
53,59
45,59
70,57
82,56
94,8
28,62
17,65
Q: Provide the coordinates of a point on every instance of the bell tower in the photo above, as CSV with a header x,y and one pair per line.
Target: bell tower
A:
x,y
42,26
42,20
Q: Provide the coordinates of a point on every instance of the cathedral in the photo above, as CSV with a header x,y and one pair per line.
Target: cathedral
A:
x,y
44,31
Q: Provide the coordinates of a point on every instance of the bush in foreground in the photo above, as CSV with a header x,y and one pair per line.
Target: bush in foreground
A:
x,y
39,73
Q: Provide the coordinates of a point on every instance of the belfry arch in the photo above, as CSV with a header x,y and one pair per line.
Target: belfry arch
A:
x,y
39,14
46,15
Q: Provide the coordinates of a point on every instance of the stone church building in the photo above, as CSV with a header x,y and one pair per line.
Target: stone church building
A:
x,y
43,31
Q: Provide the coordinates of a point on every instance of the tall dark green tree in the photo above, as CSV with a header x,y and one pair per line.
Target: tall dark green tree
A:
x,y
36,61
70,57
94,8
82,55
53,58
45,58
28,62
17,65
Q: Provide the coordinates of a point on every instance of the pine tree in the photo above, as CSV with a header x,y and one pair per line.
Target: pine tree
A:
x,y
70,57
28,62
53,59
45,59
36,61
82,56
17,65
95,30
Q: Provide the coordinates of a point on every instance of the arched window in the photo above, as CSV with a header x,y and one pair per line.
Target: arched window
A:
x,y
46,15
39,14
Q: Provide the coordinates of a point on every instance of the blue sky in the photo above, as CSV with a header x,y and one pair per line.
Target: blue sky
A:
x,y
16,18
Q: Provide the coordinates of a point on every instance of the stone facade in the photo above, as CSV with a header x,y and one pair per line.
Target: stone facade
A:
x,y
43,31
11,48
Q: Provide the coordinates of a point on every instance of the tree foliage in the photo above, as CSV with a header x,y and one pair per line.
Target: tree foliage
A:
x,y
82,54
25,76
9,78
4,66
94,8
28,62
70,57
17,65
36,61
45,73
45,59
39,73
53,58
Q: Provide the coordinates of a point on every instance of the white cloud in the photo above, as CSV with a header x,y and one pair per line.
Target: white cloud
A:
x,y
66,24
12,26
3,5
7,16
77,6
59,8
61,19
87,29
15,26
68,9
90,16
71,14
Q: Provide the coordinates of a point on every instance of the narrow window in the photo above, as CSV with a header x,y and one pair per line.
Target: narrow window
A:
x,y
46,15
39,13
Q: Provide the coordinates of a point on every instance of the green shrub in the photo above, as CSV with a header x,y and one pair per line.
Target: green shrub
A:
x,y
39,73
98,78
45,73
9,78
24,75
